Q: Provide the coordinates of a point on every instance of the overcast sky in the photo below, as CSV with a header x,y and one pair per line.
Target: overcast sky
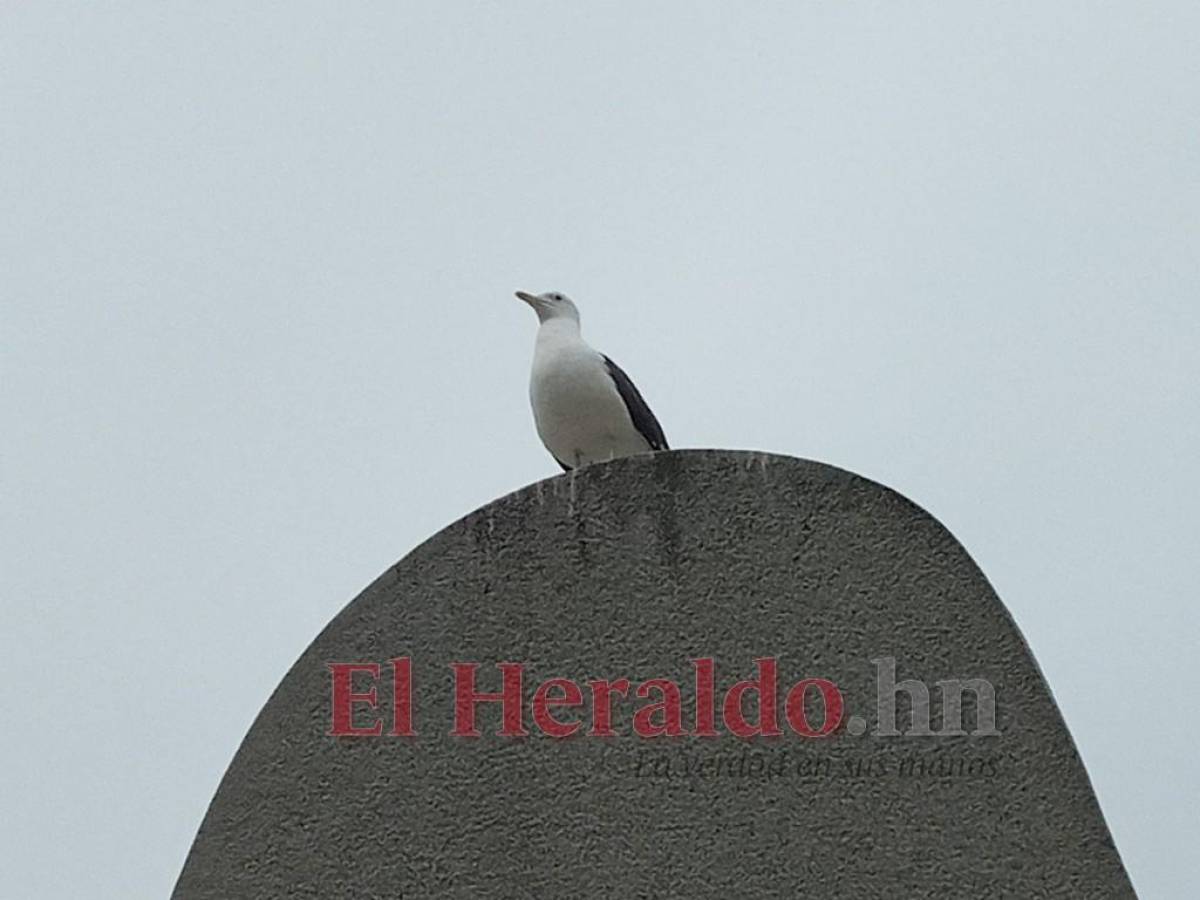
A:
x,y
259,339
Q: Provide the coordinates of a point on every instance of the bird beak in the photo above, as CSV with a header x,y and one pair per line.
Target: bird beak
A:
x,y
528,298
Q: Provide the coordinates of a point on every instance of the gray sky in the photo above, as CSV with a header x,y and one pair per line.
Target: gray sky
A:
x,y
259,339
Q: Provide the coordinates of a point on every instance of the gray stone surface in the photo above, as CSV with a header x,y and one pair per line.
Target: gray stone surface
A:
x,y
633,568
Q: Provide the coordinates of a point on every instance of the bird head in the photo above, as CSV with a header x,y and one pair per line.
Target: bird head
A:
x,y
552,305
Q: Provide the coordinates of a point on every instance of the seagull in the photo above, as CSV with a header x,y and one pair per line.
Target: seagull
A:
x,y
584,405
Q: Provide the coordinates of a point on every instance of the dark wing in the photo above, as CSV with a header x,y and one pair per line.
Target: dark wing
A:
x,y
643,419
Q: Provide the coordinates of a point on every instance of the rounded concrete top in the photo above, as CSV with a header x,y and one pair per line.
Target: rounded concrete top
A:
x,y
781,572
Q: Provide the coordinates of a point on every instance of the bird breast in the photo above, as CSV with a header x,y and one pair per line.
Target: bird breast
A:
x,y
576,406
569,381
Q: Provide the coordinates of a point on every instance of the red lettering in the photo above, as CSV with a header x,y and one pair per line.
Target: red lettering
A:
x,y
765,686
602,692
402,711
570,696
465,698
670,705
344,698
796,716
705,697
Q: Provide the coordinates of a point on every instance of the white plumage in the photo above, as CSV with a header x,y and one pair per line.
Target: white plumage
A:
x,y
585,407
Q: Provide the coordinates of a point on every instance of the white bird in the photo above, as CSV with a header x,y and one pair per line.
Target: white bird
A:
x,y
586,409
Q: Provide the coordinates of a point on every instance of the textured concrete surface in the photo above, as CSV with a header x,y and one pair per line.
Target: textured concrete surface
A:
x,y
632,569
